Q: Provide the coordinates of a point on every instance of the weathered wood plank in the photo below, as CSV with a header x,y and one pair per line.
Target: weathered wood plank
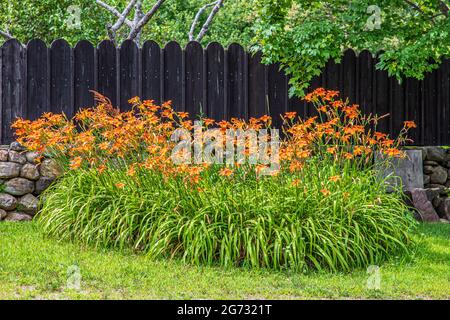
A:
x,y
38,79
215,86
130,83
61,78
151,72
13,84
237,75
84,75
174,75
258,104
277,94
194,80
108,84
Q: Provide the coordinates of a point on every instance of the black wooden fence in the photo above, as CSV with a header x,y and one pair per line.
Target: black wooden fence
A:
x,y
219,83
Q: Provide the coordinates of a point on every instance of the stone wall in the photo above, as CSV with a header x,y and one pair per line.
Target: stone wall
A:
x,y
22,180
433,200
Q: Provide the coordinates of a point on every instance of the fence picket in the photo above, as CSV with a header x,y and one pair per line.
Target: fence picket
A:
x,y
129,73
151,72
84,74
174,75
194,77
61,78
38,79
237,71
215,83
444,103
258,104
13,83
107,71
277,93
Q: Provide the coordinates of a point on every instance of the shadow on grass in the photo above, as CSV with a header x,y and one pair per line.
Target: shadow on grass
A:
x,y
434,242
439,231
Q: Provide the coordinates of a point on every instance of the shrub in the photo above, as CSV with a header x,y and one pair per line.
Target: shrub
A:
x,y
325,208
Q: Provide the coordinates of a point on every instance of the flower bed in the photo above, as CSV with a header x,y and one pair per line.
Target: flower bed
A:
x,y
325,207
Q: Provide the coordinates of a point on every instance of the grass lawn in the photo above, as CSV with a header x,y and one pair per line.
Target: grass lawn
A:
x,y
32,267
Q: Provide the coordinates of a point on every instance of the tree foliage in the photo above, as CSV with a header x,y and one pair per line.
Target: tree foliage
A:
x,y
47,19
411,36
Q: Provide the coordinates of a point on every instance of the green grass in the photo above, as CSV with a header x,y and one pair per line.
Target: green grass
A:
x,y
34,267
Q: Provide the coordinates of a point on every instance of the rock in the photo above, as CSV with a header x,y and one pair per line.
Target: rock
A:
x,y
9,170
29,171
437,202
432,193
423,205
435,154
31,156
28,204
435,185
14,156
443,191
439,175
407,198
423,150
428,169
424,153
19,186
49,168
426,179
42,184
7,202
4,155
17,216
444,221
444,209
430,163
405,172
15,146
3,214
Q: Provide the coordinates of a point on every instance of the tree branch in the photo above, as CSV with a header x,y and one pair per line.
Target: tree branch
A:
x,y
111,33
114,12
138,12
444,8
123,16
137,17
137,28
208,21
196,18
417,8
6,35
